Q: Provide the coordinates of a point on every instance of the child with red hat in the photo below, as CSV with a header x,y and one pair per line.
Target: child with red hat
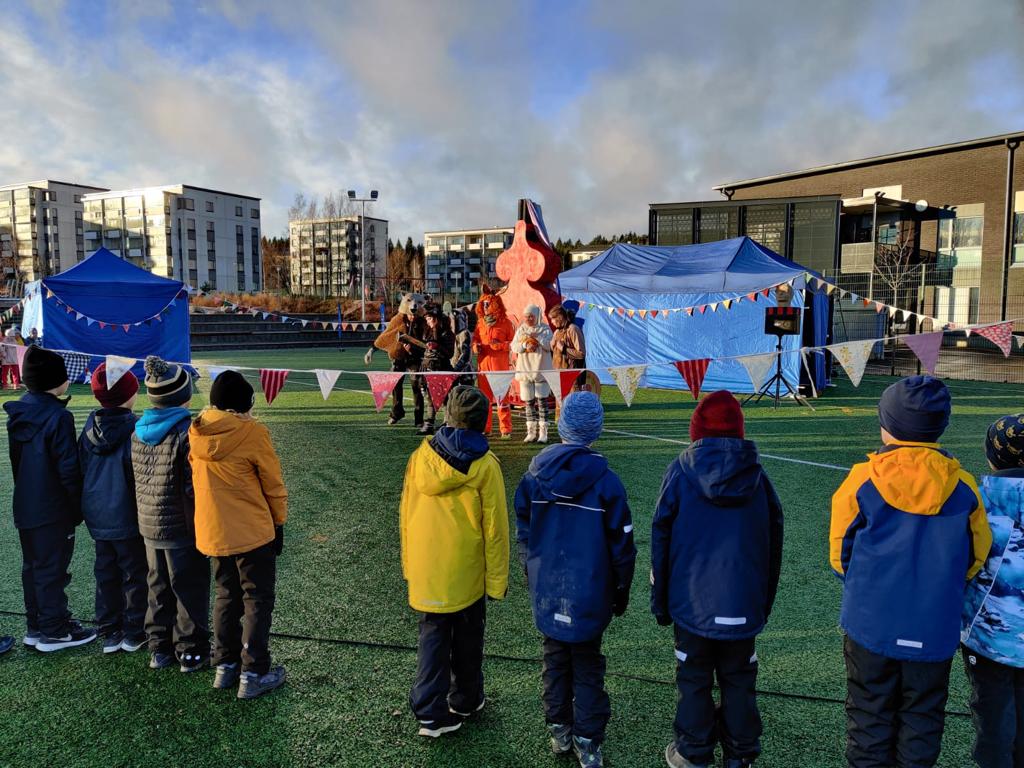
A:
x,y
110,513
716,552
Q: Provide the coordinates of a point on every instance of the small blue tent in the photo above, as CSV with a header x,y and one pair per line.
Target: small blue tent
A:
x,y
672,277
109,290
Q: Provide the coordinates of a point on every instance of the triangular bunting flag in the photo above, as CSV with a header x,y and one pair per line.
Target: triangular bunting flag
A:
x,y
117,367
752,296
643,314
381,384
127,327
714,306
20,350
609,310
892,313
272,380
765,292
438,386
499,382
49,293
693,372
631,312
703,308
727,303
326,380
79,315
926,346
102,325
654,313
1000,334
757,367
566,380
621,311
627,377
879,306
555,382
853,356
304,323
215,371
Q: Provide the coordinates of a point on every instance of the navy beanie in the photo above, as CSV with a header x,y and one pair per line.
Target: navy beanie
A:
x,y
915,409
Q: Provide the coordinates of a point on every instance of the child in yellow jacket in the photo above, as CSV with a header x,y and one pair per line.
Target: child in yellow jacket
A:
x,y
241,508
455,548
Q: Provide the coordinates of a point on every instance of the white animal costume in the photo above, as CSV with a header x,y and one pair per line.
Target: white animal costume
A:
x,y
532,347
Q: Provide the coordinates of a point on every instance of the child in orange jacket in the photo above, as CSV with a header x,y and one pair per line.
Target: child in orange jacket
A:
x,y
241,508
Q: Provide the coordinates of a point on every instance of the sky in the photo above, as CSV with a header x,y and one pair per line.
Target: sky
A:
x,y
454,109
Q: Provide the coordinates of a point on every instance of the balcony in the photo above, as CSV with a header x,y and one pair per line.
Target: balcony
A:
x,y
433,249
495,246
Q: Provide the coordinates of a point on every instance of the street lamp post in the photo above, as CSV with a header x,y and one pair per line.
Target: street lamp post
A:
x,y
362,246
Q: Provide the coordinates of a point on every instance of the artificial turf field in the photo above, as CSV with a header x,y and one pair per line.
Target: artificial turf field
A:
x,y
346,633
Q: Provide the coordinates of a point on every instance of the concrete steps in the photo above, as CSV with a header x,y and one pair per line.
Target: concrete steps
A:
x,y
212,332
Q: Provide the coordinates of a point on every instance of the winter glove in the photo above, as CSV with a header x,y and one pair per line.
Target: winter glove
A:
x,y
278,540
663,620
620,601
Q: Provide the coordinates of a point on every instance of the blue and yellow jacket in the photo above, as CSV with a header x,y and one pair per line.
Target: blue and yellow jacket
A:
x,y
908,531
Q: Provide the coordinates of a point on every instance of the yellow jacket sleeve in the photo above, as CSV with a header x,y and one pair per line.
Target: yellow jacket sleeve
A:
x,y
268,466
403,515
844,512
981,533
495,530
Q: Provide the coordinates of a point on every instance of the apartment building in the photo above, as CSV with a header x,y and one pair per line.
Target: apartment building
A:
x,y
457,260
41,229
204,237
327,255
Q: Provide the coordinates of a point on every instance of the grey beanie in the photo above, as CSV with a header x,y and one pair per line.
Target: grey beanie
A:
x,y
167,384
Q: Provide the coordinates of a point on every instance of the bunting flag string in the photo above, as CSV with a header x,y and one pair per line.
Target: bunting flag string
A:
x,y
627,378
439,386
326,379
693,371
757,367
272,380
926,346
381,385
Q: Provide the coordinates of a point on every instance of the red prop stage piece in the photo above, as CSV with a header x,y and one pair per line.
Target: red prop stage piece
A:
x,y
529,267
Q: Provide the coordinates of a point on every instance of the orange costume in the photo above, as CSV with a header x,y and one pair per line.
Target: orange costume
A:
x,y
492,340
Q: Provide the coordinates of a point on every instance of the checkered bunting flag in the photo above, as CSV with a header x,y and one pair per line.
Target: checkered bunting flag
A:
x,y
77,366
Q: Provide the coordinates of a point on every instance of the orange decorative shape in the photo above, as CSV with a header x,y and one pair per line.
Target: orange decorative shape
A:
x,y
529,268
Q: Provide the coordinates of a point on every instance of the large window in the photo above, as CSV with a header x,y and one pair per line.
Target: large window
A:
x,y
717,224
675,227
767,225
1018,238
960,242
814,235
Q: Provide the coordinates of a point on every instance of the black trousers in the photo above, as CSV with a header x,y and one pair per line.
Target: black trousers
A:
x,y
120,572
45,558
177,618
449,663
736,723
895,710
997,709
398,394
244,590
574,693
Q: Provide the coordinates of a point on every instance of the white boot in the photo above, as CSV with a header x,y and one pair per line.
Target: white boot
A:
x,y
542,431
531,432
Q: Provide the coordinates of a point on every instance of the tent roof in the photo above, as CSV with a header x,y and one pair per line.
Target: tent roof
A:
x,y
739,265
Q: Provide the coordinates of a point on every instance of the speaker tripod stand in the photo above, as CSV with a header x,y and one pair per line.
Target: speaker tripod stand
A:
x,y
773,387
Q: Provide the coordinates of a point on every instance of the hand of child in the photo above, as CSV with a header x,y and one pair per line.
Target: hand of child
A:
x,y
663,620
620,601
278,540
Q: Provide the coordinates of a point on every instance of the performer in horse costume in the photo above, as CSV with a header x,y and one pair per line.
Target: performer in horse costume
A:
x,y
492,340
403,341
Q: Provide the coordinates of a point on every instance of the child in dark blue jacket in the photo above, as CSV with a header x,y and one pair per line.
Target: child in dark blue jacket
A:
x,y
47,489
575,536
716,553
110,513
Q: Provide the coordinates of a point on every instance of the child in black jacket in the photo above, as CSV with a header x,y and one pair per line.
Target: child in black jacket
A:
x,y
47,488
108,506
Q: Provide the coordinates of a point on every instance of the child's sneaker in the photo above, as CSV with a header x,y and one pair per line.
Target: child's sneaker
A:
x,y
192,662
479,707
31,639
252,685
588,752
675,760
434,728
6,643
159,660
133,641
227,676
112,642
561,738
74,635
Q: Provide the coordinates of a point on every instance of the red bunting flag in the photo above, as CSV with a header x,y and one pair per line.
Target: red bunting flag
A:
x,y
693,372
689,311
127,327
566,380
102,325
765,292
438,386
272,380
704,308
654,314
752,296
1000,334
381,384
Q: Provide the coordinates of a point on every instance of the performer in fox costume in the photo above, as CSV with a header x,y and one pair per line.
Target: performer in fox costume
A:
x,y
492,340
403,341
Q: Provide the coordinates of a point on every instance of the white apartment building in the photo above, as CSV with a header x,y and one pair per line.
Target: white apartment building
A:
x,y
204,237
457,260
326,255
40,229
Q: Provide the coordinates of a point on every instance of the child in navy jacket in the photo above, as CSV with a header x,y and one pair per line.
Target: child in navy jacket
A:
x,y
575,536
716,553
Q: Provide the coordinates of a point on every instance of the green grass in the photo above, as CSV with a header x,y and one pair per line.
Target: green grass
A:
x,y
339,580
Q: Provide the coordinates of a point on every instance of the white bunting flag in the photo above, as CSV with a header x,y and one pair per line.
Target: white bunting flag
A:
x,y
117,367
215,371
326,380
757,367
499,382
627,378
555,382
853,356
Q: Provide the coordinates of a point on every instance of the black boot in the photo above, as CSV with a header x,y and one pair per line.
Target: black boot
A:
x,y
427,428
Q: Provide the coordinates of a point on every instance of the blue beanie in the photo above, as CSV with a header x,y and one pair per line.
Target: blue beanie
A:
x,y
915,409
582,418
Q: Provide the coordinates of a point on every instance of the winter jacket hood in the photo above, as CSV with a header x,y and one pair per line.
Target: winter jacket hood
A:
x,y
156,423
215,434
29,414
459,448
567,471
107,429
914,477
724,470
108,481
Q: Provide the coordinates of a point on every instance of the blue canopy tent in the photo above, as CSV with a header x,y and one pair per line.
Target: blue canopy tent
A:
x,y
673,277
67,310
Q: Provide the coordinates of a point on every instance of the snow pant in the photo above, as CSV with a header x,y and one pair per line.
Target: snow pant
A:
x,y
242,608
449,663
177,618
574,691
534,395
10,376
736,723
997,709
45,559
120,572
504,410
398,394
895,710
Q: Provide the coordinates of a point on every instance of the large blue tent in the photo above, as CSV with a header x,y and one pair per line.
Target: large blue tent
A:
x,y
68,309
672,277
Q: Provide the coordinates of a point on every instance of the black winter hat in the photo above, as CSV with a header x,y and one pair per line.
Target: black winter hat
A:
x,y
915,409
43,369
231,392
167,384
467,408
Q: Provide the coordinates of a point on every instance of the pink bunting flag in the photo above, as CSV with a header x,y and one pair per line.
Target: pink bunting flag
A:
x,y
272,380
127,327
438,386
381,384
693,372
926,346
20,351
1000,334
